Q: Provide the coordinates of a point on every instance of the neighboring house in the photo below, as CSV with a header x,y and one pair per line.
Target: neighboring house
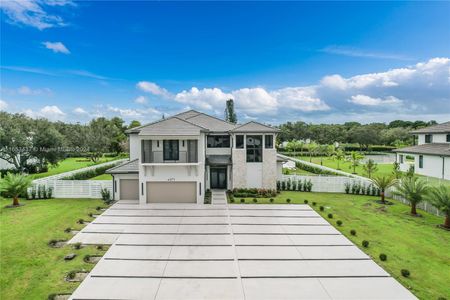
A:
x,y
178,158
431,154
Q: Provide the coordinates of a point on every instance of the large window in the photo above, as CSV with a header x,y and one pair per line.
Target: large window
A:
x,y
448,137
268,141
421,161
171,150
239,141
218,141
428,138
254,148
146,151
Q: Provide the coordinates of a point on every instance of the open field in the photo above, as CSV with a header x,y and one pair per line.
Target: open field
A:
x,y
30,268
410,243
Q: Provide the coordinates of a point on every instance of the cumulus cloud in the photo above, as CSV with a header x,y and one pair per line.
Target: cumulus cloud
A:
x,y
80,111
369,101
3,105
33,13
140,100
206,99
51,112
27,91
56,47
152,88
148,113
300,99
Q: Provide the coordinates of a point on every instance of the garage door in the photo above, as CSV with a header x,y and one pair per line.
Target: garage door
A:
x,y
171,192
129,189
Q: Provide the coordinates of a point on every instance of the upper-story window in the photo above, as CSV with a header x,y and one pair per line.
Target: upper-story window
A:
x,y
448,138
170,150
254,148
240,141
268,141
218,141
146,151
428,138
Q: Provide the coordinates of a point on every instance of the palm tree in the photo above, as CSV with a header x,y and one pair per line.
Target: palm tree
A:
x,y
312,148
14,185
440,198
354,158
412,189
338,156
383,183
396,170
370,167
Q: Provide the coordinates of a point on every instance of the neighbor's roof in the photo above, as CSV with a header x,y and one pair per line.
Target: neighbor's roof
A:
x,y
441,149
125,168
253,126
439,128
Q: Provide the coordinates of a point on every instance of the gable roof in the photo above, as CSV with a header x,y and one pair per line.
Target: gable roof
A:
x,y
125,168
172,126
254,126
439,128
442,149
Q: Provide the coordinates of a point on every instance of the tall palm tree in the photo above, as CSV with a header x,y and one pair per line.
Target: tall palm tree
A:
x,y
312,148
354,158
370,167
440,198
14,185
383,183
339,156
412,189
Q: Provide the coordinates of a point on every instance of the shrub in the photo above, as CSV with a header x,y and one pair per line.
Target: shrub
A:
x,y
52,242
365,244
339,223
278,185
288,200
313,169
99,247
49,192
232,200
405,272
353,232
68,229
306,201
271,200
106,195
383,257
283,185
80,221
255,200
89,173
308,186
314,203
299,185
288,185
330,216
91,215
347,188
242,200
322,208
294,185
86,258
98,208
254,193
71,275
77,246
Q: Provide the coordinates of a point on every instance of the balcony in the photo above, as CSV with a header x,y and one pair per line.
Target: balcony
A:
x,y
157,158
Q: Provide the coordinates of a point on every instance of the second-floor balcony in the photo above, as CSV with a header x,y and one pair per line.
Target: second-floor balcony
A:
x,y
170,153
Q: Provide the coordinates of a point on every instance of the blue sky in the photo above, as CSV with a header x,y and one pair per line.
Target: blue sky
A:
x,y
312,61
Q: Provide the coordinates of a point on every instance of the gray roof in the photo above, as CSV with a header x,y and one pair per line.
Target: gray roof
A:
x,y
172,126
210,122
253,126
218,159
441,149
125,168
439,128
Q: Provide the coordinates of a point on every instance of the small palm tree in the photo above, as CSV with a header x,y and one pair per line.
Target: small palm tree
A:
x,y
354,158
14,185
412,189
370,167
440,198
339,156
396,170
312,148
383,183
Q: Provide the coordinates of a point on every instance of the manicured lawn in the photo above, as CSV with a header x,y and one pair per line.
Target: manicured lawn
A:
x,y
410,243
70,164
29,268
102,177
297,172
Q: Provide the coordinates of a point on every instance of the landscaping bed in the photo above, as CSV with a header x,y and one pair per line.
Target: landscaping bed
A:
x,y
410,243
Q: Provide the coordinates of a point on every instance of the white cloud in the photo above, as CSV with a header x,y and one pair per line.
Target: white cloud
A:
x,y
369,101
300,99
254,101
56,47
3,105
134,113
51,112
355,52
206,99
33,12
153,88
27,91
80,111
140,100
84,73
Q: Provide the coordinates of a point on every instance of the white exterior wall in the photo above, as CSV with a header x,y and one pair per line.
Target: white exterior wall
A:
x,y
432,166
254,176
134,146
437,138
116,183
279,170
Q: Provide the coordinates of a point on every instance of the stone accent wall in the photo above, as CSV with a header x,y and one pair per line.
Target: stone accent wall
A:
x,y
269,176
239,168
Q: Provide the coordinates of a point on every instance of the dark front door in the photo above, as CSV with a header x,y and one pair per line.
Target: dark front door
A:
x,y
218,178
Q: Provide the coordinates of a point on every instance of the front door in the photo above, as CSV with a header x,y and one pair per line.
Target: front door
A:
x,y
218,178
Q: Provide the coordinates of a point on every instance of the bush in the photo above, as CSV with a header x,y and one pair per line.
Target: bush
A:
x,y
52,242
278,185
255,200
242,200
365,244
405,272
314,203
322,208
106,195
313,169
288,200
306,201
347,188
330,216
68,229
71,275
383,257
339,223
89,173
77,246
99,247
271,200
80,221
232,200
98,208
353,232
254,193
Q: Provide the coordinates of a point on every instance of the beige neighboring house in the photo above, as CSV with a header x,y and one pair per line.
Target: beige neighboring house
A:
x,y
178,158
431,154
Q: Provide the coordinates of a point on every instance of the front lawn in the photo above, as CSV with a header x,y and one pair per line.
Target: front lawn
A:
x,y
410,243
30,269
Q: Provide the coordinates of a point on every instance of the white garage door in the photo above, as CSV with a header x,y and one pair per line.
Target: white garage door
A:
x,y
129,189
171,192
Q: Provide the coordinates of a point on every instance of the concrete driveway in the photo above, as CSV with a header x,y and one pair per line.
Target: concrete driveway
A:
x,y
183,251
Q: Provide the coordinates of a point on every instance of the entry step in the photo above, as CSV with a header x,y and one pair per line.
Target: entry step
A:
x,y
219,197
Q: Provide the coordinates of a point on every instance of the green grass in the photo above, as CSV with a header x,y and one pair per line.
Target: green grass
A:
x,y
102,177
70,164
409,242
297,171
29,268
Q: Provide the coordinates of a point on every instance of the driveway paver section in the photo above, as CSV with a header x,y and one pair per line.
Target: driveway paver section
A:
x,y
189,251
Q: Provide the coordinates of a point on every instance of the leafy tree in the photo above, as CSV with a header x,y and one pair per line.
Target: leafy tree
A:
x,y
338,156
134,124
412,189
14,185
354,158
118,136
383,183
294,145
440,198
370,167
230,114
99,136
396,170
364,136
312,148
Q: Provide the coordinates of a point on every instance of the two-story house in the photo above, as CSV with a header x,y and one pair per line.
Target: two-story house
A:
x,y
431,154
178,158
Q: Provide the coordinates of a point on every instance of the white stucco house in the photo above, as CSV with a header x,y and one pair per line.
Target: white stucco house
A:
x,y
178,158
431,154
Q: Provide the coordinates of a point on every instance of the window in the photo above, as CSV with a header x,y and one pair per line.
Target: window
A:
x,y
421,161
146,151
268,140
448,138
428,138
254,148
239,141
401,158
170,150
218,141
182,143
157,144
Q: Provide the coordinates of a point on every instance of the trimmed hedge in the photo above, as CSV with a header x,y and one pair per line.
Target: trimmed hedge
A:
x,y
254,193
89,173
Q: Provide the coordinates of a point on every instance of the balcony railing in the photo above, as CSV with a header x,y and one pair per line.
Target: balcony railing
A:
x,y
157,157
